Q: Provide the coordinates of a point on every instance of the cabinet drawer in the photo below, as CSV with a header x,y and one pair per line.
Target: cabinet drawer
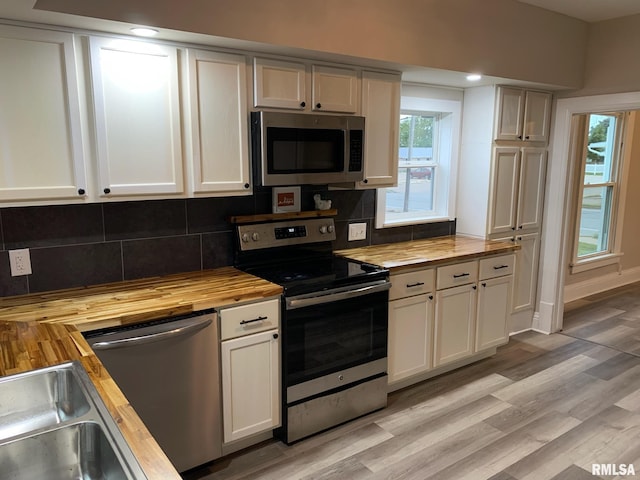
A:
x,y
496,266
247,319
457,274
413,283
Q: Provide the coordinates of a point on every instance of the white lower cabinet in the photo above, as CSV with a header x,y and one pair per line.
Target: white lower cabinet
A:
x,y
467,315
250,370
455,324
410,336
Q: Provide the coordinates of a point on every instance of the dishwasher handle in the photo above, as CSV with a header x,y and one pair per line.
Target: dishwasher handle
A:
x,y
197,324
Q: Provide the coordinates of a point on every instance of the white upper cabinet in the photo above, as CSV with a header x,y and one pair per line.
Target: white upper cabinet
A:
x,y
219,151
41,155
381,109
137,116
279,84
287,84
335,89
517,191
523,115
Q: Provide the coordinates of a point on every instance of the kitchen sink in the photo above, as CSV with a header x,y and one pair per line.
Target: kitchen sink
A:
x,y
54,425
80,450
39,399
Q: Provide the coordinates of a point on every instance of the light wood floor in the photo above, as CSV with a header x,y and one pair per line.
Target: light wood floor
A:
x,y
544,407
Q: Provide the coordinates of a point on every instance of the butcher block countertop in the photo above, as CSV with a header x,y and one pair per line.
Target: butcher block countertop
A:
x,y
429,252
41,330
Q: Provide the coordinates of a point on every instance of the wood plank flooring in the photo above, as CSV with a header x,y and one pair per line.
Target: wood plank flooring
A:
x,y
544,407
611,318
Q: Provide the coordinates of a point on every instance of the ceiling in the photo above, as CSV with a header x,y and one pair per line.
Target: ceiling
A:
x,y
586,10
589,10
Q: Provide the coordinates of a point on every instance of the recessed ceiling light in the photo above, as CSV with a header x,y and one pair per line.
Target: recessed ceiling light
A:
x,y
144,31
474,77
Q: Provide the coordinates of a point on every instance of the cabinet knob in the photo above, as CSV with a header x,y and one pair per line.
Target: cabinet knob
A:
x,y
475,287
318,105
520,227
107,191
246,185
527,137
519,238
520,137
365,181
81,191
303,104
430,297
275,335
484,284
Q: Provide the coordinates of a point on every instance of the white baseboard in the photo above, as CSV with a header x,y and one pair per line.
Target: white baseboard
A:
x,y
576,291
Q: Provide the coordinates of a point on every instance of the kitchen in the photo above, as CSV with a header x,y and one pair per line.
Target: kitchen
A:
x,y
125,236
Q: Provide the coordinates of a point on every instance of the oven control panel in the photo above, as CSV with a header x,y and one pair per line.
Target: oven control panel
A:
x,y
293,232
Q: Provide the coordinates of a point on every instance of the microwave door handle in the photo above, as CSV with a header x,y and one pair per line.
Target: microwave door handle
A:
x,y
335,295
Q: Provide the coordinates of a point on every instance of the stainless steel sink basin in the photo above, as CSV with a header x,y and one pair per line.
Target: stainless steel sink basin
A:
x,y
39,399
77,451
55,426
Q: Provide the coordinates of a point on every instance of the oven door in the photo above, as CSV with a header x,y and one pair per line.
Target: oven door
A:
x,y
340,331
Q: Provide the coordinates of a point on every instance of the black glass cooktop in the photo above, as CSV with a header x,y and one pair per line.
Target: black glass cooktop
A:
x,y
302,276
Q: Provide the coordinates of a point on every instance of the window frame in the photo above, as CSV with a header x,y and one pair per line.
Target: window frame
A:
x,y
618,184
446,104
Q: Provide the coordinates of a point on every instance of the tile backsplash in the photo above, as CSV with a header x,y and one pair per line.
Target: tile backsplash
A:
x,y
82,245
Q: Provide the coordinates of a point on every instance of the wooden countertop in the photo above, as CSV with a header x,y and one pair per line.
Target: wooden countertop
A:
x,y
428,252
41,330
136,301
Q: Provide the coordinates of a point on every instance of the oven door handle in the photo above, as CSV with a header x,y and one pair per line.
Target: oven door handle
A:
x,y
336,295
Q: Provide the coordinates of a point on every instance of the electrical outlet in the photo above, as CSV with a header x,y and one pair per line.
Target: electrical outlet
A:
x,y
357,231
20,262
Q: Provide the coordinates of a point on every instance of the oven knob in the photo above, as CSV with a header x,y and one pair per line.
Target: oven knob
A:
x,y
340,377
330,228
255,236
245,237
323,229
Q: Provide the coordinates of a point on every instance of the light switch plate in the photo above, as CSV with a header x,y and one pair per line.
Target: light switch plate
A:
x,y
357,231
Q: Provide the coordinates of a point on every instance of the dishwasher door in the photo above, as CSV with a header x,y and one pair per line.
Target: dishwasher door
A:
x,y
169,372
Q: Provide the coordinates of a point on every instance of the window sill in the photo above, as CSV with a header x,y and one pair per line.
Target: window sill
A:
x,y
596,262
421,221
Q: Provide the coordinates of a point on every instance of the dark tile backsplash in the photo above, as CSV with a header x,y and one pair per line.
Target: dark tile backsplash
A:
x,y
82,245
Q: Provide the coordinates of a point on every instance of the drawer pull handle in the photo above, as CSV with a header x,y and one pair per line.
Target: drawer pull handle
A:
x,y
499,267
460,275
417,284
259,319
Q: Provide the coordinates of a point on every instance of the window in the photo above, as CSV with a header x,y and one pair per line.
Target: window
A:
x,y
598,190
428,136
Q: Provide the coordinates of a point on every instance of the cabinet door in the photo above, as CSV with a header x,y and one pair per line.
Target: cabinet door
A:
x,y
510,113
137,113
381,109
40,140
335,89
279,84
537,115
504,198
531,188
454,324
250,384
410,336
218,123
525,281
494,308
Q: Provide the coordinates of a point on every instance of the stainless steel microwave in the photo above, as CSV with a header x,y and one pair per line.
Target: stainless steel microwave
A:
x,y
299,149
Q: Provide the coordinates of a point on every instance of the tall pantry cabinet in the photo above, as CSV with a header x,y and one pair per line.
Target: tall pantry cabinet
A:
x,y
503,159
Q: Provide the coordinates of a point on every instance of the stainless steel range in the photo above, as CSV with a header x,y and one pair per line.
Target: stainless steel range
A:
x,y
334,323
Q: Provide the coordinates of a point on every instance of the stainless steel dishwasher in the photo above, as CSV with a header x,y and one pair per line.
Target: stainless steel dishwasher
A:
x,y
169,372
